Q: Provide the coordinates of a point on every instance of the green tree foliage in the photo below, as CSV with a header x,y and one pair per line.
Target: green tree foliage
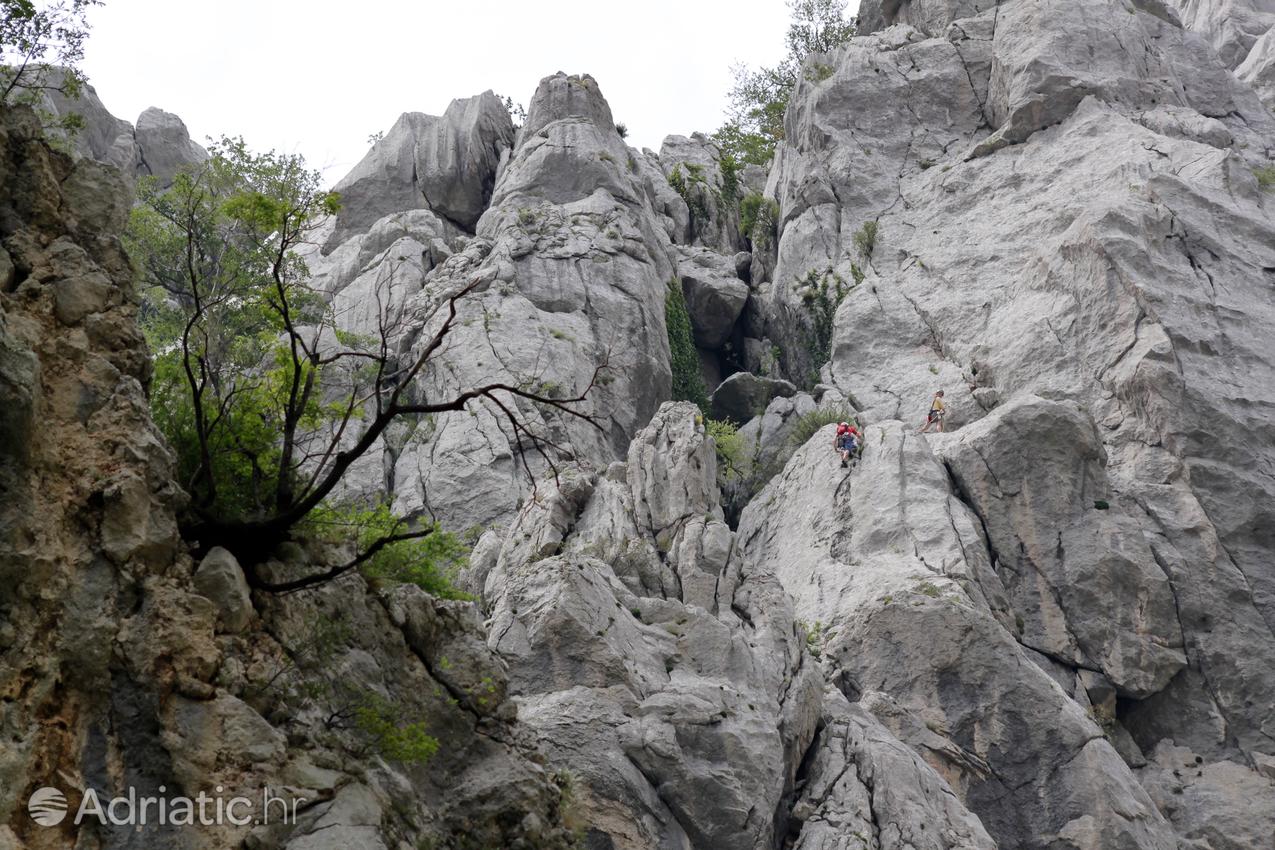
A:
x,y
221,284
759,96
758,219
379,720
822,294
732,455
264,396
41,46
688,383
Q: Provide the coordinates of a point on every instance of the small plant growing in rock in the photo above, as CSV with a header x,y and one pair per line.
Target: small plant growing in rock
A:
x,y
865,239
378,720
813,636
822,294
926,588
758,219
818,72
732,456
1265,177
622,130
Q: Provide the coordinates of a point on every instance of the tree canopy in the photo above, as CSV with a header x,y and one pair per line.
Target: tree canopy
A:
x,y
759,96
264,393
41,46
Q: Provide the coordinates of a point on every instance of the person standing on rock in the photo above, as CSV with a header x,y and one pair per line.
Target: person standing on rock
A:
x,y
937,412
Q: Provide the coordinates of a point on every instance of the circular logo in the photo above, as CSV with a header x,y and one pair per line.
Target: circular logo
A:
x,y
47,806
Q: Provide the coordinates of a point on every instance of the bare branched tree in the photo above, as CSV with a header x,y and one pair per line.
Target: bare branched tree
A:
x,y
266,393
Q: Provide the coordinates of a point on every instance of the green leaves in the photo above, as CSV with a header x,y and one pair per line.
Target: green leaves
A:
x,y
41,47
222,292
759,97
688,383
430,561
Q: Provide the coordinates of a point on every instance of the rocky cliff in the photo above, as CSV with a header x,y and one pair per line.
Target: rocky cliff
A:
x,y
125,665
1050,626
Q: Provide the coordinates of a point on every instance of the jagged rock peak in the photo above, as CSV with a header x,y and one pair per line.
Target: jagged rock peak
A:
x,y
446,164
567,96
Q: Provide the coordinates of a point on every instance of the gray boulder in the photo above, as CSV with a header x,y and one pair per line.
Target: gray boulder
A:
x,y
744,395
457,157
220,579
715,296
1258,69
164,145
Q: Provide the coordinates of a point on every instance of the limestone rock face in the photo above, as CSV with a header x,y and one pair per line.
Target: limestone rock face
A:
x,y
129,667
159,146
457,158
670,680
1076,569
445,164
864,785
1069,237
693,168
894,570
1258,70
164,145
566,277
1232,27
715,296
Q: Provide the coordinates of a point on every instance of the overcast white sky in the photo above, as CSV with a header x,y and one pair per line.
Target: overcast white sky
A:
x,y
319,77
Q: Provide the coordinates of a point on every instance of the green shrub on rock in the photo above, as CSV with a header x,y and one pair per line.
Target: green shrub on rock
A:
x,y
688,383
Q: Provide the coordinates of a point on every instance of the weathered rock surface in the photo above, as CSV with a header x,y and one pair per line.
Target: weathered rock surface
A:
x,y
164,145
457,158
1071,240
891,572
1077,569
1258,70
569,267
693,169
445,164
865,788
715,296
669,679
1232,27
744,395
1212,805
159,146
125,667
